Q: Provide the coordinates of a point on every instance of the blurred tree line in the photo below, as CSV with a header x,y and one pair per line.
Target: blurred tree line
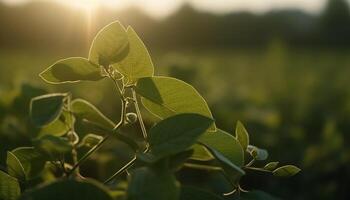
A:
x,y
44,24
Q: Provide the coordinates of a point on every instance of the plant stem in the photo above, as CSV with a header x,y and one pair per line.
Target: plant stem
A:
x,y
139,116
121,170
71,136
96,147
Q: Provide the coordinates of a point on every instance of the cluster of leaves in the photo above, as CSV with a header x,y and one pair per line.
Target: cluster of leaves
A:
x,y
184,136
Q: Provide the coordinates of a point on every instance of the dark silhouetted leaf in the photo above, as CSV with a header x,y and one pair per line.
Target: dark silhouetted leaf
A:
x,y
147,184
32,161
192,193
47,108
53,146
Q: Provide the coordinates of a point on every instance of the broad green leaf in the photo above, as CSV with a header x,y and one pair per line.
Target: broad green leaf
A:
x,y
148,184
201,153
69,189
87,111
242,135
192,193
232,171
138,62
72,70
9,187
53,146
177,133
165,97
271,166
110,45
226,144
257,153
14,167
47,108
60,126
286,171
32,161
91,140
257,195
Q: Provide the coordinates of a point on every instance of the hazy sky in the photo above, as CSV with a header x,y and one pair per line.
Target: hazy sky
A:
x,y
160,8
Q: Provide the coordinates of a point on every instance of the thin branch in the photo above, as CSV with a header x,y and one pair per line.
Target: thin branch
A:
x,y
121,170
139,116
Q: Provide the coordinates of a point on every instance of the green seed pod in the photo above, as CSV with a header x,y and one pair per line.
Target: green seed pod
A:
x,y
131,118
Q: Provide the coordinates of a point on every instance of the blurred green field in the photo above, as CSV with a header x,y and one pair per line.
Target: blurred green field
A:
x,y
294,102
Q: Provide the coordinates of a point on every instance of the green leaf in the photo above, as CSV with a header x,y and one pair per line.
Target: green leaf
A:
x,y
47,108
201,153
271,166
138,62
286,171
177,133
192,193
226,144
53,146
69,189
257,153
91,140
165,97
110,45
14,167
9,187
32,161
72,70
60,126
232,171
147,184
87,111
242,135
56,128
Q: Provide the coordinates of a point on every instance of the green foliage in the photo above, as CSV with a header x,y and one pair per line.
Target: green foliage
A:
x,y
286,171
102,52
9,187
177,133
85,110
192,193
225,144
242,135
47,108
185,135
72,70
91,140
69,189
32,161
271,166
148,184
257,153
53,146
165,97
137,63
14,167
